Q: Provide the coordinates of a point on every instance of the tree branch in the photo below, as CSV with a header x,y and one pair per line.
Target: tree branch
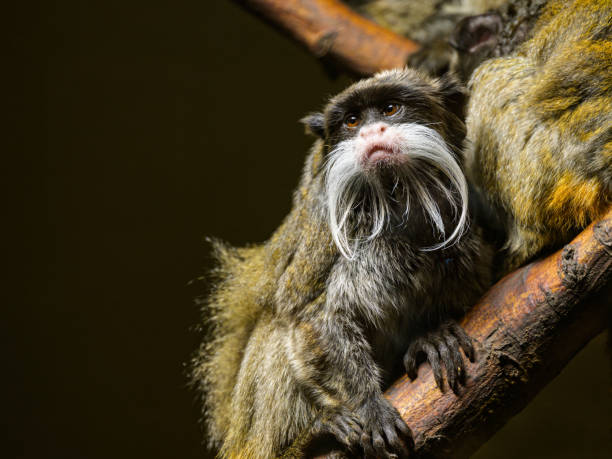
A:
x,y
330,30
526,328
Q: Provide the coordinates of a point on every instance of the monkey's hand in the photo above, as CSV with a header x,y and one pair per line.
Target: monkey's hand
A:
x,y
384,433
441,346
342,424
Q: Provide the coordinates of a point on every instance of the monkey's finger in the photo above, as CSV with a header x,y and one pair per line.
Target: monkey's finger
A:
x,y
434,360
356,429
356,423
379,445
346,431
352,443
405,431
353,435
410,362
347,423
394,441
458,365
366,444
448,362
464,340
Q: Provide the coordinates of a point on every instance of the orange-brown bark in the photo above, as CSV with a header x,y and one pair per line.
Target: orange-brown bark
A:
x,y
526,328
329,29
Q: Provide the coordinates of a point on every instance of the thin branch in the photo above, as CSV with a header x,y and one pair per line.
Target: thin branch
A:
x,y
330,30
526,328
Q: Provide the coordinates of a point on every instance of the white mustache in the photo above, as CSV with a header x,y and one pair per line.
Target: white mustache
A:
x,y
347,185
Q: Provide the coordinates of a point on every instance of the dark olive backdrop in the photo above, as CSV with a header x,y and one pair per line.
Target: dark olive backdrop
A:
x,y
135,129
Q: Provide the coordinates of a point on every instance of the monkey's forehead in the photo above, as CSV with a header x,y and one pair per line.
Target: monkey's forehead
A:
x,y
401,85
403,76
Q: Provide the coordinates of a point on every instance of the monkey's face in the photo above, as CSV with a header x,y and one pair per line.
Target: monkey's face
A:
x,y
389,142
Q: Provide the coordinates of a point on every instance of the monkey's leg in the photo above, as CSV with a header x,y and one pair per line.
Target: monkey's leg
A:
x,y
441,347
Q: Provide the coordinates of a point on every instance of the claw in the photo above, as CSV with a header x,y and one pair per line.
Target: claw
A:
x,y
394,440
379,444
446,358
406,434
464,340
410,363
434,360
457,360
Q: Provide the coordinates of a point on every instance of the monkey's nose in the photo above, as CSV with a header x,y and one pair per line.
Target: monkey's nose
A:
x,y
372,130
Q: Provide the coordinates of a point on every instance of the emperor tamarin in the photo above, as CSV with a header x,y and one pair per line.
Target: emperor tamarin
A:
x,y
368,271
540,126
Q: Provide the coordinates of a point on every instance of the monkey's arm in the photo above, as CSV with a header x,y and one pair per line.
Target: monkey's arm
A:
x,y
331,358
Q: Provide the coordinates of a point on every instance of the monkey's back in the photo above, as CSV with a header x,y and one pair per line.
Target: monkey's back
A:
x,y
539,127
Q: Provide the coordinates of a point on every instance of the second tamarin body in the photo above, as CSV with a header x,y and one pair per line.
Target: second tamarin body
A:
x,y
367,272
540,128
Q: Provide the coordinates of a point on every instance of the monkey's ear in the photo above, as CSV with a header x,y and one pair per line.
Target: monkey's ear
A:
x,y
454,95
476,33
315,124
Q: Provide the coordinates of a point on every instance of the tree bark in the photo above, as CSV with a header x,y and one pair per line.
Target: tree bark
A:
x,y
526,328
330,30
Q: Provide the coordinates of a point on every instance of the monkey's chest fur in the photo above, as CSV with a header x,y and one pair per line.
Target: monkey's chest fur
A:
x,y
395,291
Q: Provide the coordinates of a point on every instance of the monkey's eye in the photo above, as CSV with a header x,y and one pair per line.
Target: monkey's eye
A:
x,y
390,109
352,121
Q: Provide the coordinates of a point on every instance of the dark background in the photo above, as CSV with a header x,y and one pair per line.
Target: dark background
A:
x,y
135,130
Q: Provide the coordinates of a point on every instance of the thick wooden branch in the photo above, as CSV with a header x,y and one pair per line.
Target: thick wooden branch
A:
x,y
526,329
329,29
